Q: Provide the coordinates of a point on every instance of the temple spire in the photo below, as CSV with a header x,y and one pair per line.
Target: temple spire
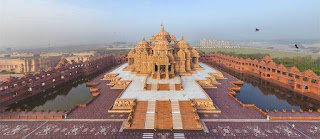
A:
x,y
162,27
182,38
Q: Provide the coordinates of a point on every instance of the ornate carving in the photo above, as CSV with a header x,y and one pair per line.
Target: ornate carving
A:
x,y
110,76
148,56
203,104
123,104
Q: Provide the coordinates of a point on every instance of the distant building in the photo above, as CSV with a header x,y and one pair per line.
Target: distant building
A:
x,y
25,63
213,43
81,56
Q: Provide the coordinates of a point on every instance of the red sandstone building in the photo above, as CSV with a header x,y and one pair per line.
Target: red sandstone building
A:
x,y
307,82
15,89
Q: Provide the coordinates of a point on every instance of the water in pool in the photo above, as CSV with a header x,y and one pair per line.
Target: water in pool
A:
x,y
64,97
266,95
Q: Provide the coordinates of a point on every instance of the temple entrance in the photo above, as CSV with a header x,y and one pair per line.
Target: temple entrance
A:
x,y
163,69
194,59
155,68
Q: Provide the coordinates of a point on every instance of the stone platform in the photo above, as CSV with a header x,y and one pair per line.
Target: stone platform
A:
x,y
164,115
190,87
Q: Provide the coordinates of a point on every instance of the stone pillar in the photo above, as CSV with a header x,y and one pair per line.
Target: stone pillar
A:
x,y
129,61
167,72
153,69
197,62
172,68
158,74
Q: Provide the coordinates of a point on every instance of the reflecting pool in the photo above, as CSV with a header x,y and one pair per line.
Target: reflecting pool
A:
x,y
266,95
63,97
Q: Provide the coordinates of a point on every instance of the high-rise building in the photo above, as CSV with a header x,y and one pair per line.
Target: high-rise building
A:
x,y
213,43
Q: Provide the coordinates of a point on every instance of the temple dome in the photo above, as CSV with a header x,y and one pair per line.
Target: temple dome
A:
x,y
163,35
173,38
182,43
163,32
162,45
143,44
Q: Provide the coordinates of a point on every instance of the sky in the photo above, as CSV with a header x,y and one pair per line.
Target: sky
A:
x,y
47,23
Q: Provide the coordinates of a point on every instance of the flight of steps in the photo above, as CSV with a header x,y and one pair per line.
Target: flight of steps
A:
x,y
176,115
188,116
154,87
139,115
163,115
150,115
172,87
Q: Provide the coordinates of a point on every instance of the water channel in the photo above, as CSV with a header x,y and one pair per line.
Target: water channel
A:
x,y
263,94
266,95
64,97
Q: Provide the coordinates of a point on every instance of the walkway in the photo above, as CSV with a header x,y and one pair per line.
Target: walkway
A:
x,y
98,108
230,109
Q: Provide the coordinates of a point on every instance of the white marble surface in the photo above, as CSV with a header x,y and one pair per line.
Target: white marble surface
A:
x,y
191,89
175,80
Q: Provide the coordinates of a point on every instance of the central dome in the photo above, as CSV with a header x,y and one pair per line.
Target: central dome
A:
x,y
162,45
163,35
163,32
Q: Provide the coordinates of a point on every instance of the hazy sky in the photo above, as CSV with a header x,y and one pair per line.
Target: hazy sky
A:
x,y
38,23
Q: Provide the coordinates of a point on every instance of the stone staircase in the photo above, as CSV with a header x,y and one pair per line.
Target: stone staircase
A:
x,y
172,87
163,115
154,87
150,115
176,115
139,115
189,116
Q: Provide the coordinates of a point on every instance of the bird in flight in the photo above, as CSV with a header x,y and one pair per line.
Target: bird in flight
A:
x,y
296,46
257,29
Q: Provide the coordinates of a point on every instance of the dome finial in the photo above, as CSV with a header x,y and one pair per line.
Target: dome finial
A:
x,y
182,38
162,26
143,38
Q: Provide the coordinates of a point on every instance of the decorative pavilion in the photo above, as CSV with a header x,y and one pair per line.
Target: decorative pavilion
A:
x,y
163,57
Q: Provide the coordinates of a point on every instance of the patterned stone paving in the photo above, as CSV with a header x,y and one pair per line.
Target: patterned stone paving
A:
x,y
230,109
99,107
103,129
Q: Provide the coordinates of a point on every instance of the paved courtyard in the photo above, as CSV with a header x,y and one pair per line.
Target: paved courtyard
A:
x,y
113,129
190,88
98,108
230,109
93,121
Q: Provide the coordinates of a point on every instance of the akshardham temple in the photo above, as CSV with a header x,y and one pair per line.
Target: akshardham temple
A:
x,y
163,85
163,57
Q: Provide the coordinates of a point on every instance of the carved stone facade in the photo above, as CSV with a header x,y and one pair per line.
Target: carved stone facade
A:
x,y
121,84
163,57
123,104
110,76
205,106
116,82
